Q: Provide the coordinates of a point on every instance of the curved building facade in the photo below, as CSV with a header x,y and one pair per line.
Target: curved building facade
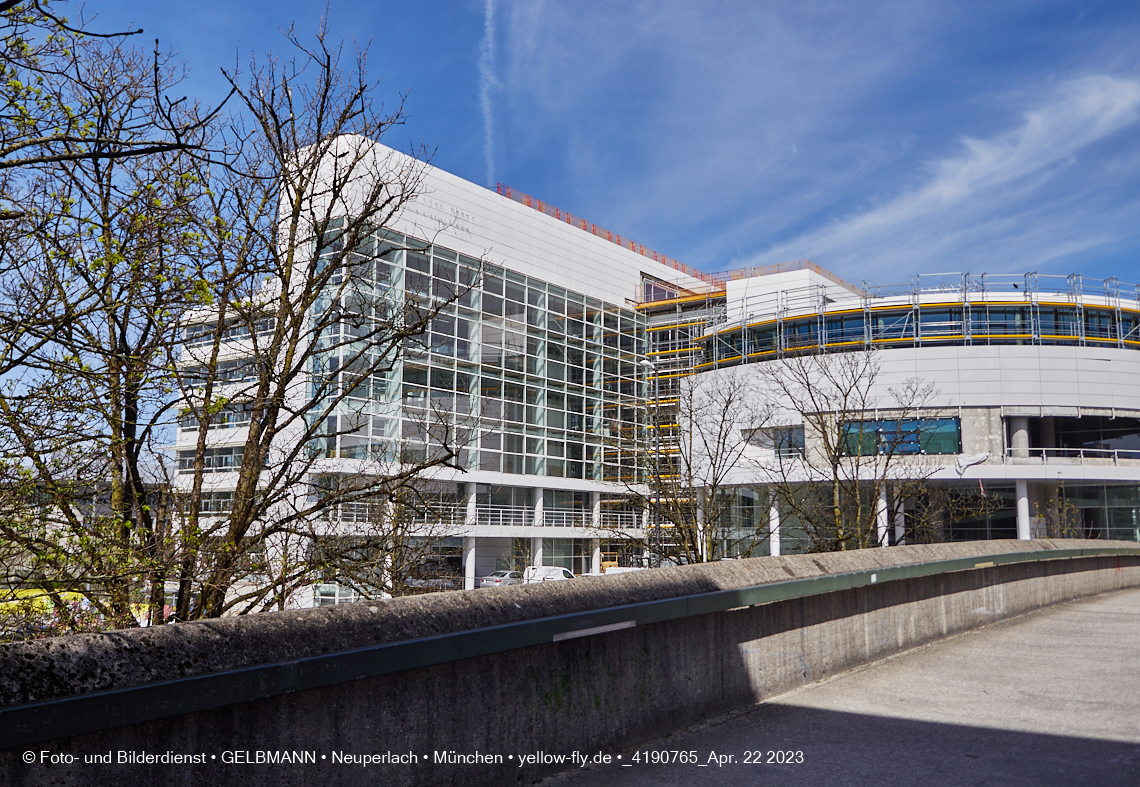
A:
x,y
1035,380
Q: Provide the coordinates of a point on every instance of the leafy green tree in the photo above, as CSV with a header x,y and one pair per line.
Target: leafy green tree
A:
x,y
96,264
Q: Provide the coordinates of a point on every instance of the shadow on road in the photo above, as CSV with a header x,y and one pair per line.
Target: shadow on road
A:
x,y
854,749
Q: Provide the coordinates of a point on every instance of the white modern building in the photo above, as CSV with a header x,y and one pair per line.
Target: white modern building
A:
x,y
1035,380
1038,378
545,354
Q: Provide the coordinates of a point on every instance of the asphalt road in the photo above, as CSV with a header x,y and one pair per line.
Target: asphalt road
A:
x,y
1050,698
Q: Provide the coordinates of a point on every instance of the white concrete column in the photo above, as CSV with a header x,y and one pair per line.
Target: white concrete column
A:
x,y
538,518
388,579
1019,435
596,556
536,551
471,517
773,523
468,563
596,510
702,546
651,536
1023,531
883,518
900,526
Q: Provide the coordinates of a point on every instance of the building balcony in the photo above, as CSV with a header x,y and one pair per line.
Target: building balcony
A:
x,y
1100,457
456,517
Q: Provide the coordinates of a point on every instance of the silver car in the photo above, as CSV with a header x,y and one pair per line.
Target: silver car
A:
x,y
500,578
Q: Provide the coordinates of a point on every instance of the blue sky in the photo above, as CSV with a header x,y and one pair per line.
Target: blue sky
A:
x,y
879,139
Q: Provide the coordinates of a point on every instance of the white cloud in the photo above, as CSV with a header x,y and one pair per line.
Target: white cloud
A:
x,y
668,114
975,194
487,84
752,134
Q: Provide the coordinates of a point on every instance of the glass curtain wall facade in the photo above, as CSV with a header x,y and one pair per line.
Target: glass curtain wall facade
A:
x,y
924,325
534,379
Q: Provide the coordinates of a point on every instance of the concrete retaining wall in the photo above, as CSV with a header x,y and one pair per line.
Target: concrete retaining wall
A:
x,y
591,694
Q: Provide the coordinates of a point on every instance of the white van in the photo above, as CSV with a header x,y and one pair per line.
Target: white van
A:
x,y
545,574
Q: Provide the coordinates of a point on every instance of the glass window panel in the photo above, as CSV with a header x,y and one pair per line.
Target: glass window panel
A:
x,y
514,311
444,290
443,269
443,379
415,375
417,282
492,305
939,435
908,436
1123,495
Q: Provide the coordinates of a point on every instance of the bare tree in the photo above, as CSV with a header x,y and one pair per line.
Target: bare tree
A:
x,y
71,96
931,507
844,451
259,292
311,313
691,475
378,547
53,95
1060,517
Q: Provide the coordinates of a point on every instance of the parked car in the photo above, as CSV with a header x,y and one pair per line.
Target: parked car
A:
x,y
500,578
546,574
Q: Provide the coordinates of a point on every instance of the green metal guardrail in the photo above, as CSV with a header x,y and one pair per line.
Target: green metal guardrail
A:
x,y
32,723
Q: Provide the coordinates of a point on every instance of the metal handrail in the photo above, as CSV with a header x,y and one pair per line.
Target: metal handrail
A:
x,y
554,517
518,516
620,520
1081,454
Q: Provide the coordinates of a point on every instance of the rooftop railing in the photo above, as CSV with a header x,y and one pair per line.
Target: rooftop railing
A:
x,y
957,288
